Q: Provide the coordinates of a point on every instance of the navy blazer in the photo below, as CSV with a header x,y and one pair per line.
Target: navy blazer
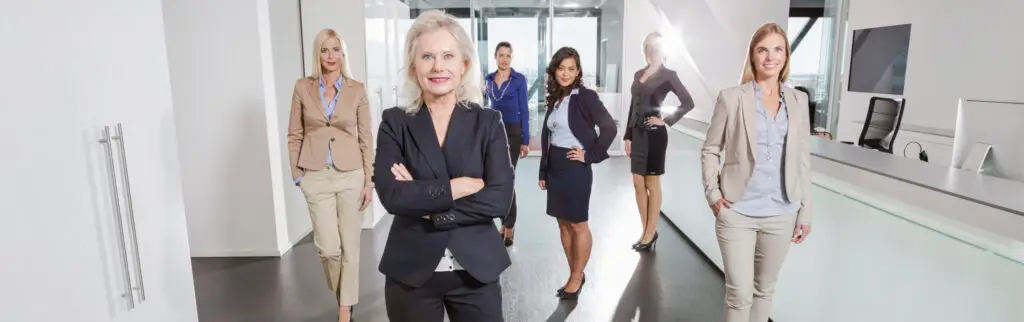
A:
x,y
475,146
586,111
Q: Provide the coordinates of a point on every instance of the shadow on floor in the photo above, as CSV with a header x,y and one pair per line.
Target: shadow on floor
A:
x,y
674,283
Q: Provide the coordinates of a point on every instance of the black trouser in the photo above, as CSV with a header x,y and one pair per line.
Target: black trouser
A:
x,y
515,139
461,295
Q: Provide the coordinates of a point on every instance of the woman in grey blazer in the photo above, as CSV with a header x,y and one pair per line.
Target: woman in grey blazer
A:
x,y
756,173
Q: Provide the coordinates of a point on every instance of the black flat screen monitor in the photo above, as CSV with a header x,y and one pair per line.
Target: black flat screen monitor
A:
x,y
878,59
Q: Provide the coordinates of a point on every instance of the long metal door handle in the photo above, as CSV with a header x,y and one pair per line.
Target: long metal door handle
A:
x,y
119,137
116,204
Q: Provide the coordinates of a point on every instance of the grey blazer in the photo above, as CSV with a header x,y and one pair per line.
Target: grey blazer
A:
x,y
727,157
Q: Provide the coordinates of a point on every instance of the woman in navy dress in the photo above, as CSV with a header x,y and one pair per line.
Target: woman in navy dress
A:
x,y
569,145
507,92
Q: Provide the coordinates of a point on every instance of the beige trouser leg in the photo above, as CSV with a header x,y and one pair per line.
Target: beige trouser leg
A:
x,y
333,199
753,250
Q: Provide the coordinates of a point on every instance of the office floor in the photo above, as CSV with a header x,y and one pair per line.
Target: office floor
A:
x,y
674,283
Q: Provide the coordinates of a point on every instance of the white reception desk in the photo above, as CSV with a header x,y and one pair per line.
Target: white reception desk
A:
x,y
894,239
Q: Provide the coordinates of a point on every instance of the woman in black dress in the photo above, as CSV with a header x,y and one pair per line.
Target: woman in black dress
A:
x,y
646,135
569,145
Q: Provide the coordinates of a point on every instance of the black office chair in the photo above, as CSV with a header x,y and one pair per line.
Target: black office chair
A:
x,y
881,124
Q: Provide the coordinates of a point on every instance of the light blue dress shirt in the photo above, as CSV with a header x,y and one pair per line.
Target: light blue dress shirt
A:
x,y
329,109
766,192
558,123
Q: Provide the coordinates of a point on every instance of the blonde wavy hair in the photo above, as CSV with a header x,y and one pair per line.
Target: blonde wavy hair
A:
x,y
749,72
471,88
318,45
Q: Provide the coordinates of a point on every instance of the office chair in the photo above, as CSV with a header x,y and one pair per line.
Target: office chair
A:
x,y
881,124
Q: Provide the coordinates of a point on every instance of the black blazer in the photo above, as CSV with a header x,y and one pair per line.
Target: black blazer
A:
x,y
585,112
476,146
646,98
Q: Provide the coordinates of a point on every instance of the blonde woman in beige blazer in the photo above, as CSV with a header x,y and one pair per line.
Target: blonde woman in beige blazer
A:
x,y
756,173
331,152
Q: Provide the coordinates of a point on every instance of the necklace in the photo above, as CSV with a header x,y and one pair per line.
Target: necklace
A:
x,y
494,87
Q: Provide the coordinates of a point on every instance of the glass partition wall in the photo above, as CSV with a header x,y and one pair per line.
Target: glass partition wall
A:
x,y
817,37
536,29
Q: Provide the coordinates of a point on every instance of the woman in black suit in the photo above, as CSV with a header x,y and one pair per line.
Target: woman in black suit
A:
x,y
443,170
646,137
569,145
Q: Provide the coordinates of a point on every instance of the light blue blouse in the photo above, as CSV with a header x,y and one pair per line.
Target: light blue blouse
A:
x,y
766,191
558,123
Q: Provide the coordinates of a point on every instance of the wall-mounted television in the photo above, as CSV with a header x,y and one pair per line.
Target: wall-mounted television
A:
x,y
878,59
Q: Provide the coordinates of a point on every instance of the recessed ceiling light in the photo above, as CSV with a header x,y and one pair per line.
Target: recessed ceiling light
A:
x,y
571,5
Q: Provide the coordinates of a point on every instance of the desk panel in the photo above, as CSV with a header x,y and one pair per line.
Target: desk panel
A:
x,y
863,263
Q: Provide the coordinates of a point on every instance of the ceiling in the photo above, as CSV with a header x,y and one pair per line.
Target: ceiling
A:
x,y
806,3
429,4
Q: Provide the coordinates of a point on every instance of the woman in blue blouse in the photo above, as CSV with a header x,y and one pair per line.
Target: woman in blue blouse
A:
x,y
506,92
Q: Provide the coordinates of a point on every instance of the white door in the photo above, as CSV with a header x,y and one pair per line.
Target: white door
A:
x,y
87,244
146,155
54,267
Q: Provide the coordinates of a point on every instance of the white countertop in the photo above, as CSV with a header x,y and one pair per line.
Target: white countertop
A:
x,y
990,191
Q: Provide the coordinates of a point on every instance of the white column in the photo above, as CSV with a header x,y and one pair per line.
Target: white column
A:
x,y
233,64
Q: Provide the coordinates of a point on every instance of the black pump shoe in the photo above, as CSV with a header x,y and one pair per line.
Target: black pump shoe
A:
x,y
648,246
562,294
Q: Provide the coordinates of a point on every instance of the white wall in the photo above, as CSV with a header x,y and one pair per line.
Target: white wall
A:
x,y
344,16
707,41
217,83
286,49
957,49
233,67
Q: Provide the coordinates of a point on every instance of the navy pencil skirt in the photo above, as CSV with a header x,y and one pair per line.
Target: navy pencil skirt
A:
x,y
568,186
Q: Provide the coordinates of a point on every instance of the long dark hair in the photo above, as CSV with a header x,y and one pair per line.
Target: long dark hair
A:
x,y
554,90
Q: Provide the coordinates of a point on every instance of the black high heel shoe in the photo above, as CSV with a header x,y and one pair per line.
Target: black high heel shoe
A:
x,y
562,294
562,289
508,240
648,246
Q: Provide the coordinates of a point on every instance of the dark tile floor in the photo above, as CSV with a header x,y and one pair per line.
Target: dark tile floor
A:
x,y
674,283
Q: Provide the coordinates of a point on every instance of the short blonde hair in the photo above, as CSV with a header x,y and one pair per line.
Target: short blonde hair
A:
x,y
764,31
318,45
652,43
470,90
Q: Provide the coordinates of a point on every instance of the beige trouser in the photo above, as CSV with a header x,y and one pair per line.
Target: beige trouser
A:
x,y
753,250
333,199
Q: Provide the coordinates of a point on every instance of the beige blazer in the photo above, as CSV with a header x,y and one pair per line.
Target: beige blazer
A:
x,y
727,157
347,131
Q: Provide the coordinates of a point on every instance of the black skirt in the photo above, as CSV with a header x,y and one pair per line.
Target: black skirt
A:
x,y
648,150
568,186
